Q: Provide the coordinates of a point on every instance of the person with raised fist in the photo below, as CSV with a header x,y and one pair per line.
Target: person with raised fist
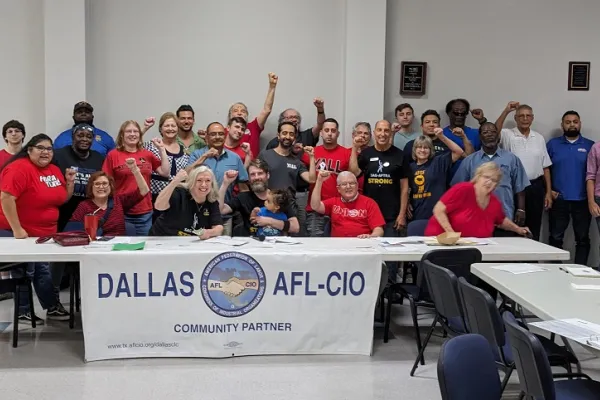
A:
x,y
402,128
530,147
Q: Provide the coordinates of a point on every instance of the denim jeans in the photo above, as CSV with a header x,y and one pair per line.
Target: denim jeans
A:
x,y
39,273
561,213
315,224
142,223
301,201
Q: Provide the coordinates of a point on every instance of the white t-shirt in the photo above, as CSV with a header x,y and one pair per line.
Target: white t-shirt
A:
x,y
530,149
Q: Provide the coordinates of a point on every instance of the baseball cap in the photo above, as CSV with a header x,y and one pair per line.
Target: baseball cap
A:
x,y
83,104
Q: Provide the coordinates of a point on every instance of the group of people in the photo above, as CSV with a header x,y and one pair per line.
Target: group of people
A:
x,y
484,181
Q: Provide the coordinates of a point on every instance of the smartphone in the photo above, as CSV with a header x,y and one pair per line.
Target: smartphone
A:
x,y
106,238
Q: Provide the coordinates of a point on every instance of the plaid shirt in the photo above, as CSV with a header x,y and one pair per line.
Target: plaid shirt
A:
x,y
176,161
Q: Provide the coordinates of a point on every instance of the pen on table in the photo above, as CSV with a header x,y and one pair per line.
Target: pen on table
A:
x,y
564,270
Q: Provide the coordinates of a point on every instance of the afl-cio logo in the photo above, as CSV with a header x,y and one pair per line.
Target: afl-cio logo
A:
x,y
233,284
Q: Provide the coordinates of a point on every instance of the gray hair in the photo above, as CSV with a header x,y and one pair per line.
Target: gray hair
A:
x,y
235,104
344,174
189,183
423,141
365,124
282,118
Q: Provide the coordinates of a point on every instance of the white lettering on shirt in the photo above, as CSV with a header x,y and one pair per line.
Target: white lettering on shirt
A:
x,y
292,166
51,181
582,150
347,212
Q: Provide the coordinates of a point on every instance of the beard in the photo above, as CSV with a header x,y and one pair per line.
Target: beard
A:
x,y
571,133
258,186
286,146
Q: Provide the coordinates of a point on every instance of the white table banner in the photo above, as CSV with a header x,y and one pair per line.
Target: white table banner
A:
x,y
211,304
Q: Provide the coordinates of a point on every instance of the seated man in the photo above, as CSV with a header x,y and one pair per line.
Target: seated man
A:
x,y
248,203
351,214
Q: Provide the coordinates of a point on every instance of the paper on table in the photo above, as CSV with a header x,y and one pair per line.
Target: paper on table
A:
x,y
281,239
575,329
129,246
111,242
585,287
403,240
518,269
227,240
480,241
401,248
583,272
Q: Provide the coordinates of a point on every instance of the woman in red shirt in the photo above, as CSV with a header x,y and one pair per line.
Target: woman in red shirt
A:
x,y
129,145
32,190
471,209
110,207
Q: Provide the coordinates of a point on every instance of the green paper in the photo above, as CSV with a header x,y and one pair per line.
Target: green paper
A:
x,y
129,246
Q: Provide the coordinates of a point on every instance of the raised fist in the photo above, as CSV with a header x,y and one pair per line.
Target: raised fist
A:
x,y
130,162
181,176
158,143
309,150
477,114
230,176
273,79
319,103
512,106
323,175
149,122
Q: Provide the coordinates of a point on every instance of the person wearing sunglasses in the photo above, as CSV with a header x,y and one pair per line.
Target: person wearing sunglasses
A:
x,y
458,111
31,191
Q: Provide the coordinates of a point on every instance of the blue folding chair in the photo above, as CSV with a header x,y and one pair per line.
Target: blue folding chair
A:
x,y
466,370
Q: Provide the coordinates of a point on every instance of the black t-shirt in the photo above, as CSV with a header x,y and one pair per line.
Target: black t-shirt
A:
x,y
67,158
185,215
438,146
244,203
428,182
383,171
284,171
307,139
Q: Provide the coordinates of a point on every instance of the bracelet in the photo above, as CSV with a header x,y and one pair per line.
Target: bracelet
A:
x,y
521,210
483,121
320,112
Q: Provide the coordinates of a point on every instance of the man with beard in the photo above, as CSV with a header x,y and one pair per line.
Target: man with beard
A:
x,y
287,170
248,203
569,154
530,147
186,137
80,157
328,157
514,178
233,141
83,113
361,138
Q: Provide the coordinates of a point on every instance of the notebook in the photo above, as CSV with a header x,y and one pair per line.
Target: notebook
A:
x,y
582,272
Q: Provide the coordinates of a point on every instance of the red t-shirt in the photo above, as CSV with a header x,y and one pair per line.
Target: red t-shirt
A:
x,y
354,218
252,136
39,193
4,157
115,166
465,215
336,160
115,224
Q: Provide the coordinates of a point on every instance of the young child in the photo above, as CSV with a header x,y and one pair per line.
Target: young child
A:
x,y
277,201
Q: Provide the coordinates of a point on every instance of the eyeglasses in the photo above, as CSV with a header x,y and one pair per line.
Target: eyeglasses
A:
x,y
41,148
100,184
347,184
459,114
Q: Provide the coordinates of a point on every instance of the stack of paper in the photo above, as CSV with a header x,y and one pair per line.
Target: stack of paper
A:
x,y
584,287
575,329
518,269
227,240
582,272
281,239
386,241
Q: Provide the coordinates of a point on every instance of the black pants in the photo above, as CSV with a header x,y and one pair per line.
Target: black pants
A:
x,y
561,213
535,194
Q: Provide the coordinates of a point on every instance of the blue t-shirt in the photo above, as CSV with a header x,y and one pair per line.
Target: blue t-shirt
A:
x,y
569,166
102,143
428,182
472,134
269,230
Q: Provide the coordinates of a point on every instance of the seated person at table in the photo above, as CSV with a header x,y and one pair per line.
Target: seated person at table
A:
x,y
471,208
248,203
351,214
190,208
108,205
277,200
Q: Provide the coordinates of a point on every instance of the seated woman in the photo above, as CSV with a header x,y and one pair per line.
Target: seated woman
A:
x,y
108,205
32,190
190,208
429,174
471,208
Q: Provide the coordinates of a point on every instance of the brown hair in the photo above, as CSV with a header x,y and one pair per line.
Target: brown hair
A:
x,y
89,189
120,137
163,118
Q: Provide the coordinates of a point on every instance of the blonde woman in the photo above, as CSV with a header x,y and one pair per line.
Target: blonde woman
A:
x,y
189,206
129,145
472,209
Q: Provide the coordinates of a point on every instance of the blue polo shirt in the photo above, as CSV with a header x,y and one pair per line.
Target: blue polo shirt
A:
x,y
473,136
514,177
219,165
569,164
102,143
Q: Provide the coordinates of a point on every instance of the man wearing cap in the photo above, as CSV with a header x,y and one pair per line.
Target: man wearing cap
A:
x,y
83,112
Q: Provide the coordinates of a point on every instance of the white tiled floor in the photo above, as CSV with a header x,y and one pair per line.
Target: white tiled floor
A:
x,y
48,365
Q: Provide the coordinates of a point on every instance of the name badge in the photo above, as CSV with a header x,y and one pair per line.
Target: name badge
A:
x,y
374,159
582,150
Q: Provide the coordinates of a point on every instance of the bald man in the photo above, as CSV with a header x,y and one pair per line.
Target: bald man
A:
x,y
386,179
